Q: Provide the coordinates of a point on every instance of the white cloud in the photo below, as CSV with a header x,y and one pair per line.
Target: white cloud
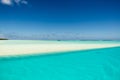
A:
x,y
6,2
14,2
17,1
24,2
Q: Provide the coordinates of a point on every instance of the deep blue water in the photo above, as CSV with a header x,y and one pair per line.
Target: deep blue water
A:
x,y
97,64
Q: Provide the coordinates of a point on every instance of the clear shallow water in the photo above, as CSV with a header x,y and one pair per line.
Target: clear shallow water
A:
x,y
97,64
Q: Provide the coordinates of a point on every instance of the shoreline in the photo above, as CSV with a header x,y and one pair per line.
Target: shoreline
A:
x,y
47,48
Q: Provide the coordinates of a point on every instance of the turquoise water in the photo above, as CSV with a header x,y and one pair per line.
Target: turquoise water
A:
x,y
97,64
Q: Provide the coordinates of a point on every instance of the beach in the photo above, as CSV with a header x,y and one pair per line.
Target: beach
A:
x,y
14,48
67,60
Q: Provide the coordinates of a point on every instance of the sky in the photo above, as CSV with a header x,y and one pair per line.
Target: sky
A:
x,y
60,19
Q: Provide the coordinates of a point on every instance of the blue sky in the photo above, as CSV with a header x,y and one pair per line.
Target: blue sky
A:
x,y
60,19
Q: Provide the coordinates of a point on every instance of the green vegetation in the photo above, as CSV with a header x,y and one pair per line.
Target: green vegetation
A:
x,y
3,39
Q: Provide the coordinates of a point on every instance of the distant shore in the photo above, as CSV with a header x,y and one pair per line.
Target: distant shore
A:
x,y
3,39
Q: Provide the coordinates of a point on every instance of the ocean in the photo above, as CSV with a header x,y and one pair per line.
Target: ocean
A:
x,y
95,64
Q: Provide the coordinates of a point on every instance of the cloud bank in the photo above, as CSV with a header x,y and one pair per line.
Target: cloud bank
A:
x,y
14,2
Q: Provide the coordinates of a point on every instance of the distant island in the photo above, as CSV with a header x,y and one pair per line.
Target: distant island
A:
x,y
3,39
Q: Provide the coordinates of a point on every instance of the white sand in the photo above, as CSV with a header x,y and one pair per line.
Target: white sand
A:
x,y
28,49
